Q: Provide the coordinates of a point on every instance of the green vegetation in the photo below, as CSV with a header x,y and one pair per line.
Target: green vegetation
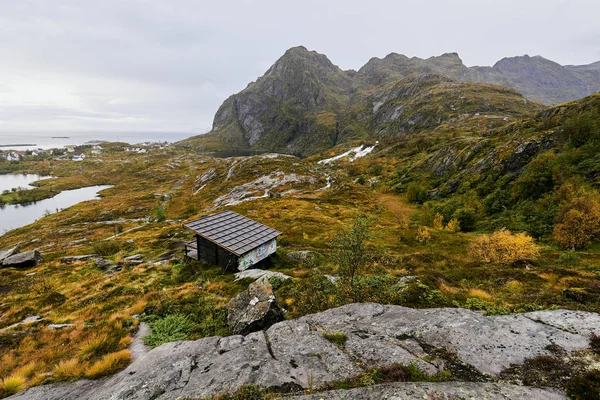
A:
x,y
169,329
337,338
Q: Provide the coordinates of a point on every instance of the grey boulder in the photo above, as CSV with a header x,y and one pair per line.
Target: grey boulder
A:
x,y
7,253
254,309
23,260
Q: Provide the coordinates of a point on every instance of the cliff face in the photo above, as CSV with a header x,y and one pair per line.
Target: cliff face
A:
x,y
305,104
280,110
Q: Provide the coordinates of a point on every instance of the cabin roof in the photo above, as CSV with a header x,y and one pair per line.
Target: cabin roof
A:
x,y
232,231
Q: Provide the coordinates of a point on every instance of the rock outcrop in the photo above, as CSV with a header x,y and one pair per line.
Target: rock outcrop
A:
x,y
254,309
7,253
295,355
26,259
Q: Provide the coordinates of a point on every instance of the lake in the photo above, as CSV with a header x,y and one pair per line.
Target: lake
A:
x,y
10,181
16,216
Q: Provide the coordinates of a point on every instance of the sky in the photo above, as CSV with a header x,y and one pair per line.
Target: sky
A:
x,y
168,65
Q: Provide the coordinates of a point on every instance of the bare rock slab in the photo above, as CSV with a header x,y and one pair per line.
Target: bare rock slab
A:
x,y
294,355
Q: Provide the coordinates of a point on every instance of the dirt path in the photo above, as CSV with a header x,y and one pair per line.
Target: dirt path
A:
x,y
138,348
397,205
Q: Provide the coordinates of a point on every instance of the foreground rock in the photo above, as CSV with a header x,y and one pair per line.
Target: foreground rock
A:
x,y
27,259
441,390
295,355
254,309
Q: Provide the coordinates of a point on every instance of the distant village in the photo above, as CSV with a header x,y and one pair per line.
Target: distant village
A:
x,y
72,152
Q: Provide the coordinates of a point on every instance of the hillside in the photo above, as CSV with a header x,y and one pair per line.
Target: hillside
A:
x,y
469,211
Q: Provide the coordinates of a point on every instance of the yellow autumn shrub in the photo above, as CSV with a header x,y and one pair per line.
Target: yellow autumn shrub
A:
x,y
504,247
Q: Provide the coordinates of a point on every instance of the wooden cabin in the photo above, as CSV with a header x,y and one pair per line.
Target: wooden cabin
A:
x,y
230,240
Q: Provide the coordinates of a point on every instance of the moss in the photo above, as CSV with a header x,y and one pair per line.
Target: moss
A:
x,y
337,338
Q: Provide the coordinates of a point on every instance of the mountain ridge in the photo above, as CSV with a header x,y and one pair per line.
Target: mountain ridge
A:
x,y
304,103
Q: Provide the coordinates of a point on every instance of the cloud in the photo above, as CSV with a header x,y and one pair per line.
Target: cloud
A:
x,y
168,65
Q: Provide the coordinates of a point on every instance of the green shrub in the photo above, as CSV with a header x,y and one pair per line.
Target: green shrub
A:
x,y
569,258
169,329
466,219
415,193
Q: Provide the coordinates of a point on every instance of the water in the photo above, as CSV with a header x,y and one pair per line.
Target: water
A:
x,y
10,181
16,216
58,139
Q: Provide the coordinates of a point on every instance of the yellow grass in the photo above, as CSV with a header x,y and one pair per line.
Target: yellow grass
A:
x,y
67,369
109,364
480,294
12,384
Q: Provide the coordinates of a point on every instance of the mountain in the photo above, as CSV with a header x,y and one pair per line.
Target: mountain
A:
x,y
305,104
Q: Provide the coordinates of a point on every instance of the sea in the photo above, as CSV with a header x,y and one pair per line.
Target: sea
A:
x,y
31,140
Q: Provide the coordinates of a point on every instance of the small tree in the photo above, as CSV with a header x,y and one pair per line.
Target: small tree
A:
x,y
350,250
578,222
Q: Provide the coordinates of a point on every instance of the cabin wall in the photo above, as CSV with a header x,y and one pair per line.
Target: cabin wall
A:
x,y
258,254
210,253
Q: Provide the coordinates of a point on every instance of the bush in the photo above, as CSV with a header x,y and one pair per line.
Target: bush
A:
x,y
106,248
466,219
415,193
169,329
504,247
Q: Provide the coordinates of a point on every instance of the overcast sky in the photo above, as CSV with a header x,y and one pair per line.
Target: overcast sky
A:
x,y
168,65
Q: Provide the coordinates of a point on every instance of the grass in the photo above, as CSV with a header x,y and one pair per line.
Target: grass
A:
x,y
169,329
12,384
108,364
68,369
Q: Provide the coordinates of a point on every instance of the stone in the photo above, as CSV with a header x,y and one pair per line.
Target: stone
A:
x,y
23,260
103,263
254,309
7,253
74,259
136,259
56,327
260,275
302,255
